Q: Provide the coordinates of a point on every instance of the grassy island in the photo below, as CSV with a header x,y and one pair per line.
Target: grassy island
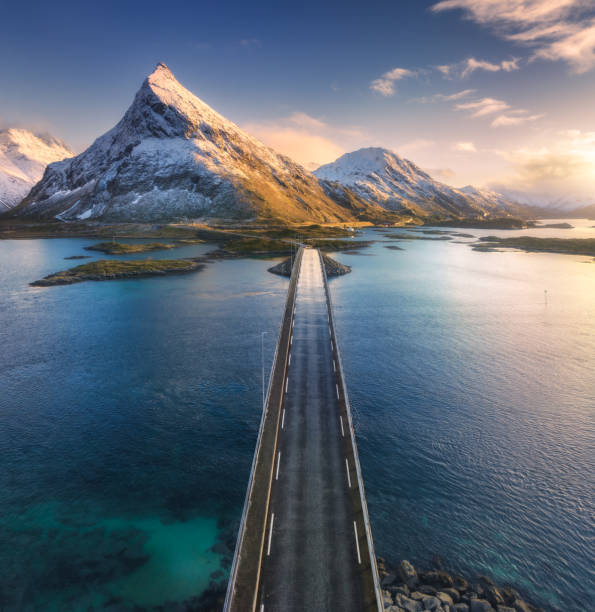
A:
x,y
569,246
121,248
104,269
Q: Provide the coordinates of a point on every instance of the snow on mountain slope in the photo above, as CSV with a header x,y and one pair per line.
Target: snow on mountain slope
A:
x,y
23,158
172,156
382,177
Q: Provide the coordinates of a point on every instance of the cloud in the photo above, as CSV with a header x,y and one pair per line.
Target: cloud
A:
x,y
566,165
514,119
471,65
308,140
483,107
443,173
465,68
251,43
465,93
385,85
555,29
465,147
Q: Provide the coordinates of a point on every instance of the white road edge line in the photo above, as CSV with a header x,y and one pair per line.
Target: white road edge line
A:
x,y
278,463
271,534
342,430
337,388
359,558
283,419
347,469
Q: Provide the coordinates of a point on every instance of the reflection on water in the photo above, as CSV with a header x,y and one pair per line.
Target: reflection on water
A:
x,y
129,412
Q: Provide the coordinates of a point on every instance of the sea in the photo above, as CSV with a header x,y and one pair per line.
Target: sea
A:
x,y
129,412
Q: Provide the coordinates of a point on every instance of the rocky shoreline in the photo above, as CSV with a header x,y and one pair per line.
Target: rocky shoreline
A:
x,y
405,589
333,267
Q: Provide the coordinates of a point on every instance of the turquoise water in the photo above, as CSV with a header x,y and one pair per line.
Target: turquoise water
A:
x,y
129,412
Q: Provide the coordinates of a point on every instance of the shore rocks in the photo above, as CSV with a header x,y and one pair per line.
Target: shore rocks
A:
x,y
408,590
333,267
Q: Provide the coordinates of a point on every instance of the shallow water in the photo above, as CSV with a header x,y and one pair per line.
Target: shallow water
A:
x,y
129,411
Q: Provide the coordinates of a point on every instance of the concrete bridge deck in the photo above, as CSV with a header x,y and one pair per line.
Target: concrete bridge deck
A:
x,y
309,546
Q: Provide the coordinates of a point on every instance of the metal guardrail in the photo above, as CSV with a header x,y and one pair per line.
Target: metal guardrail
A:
x,y
360,480
229,605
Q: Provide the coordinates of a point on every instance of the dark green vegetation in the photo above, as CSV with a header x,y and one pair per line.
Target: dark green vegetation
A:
x,y
493,223
79,257
571,246
555,226
121,248
104,269
394,247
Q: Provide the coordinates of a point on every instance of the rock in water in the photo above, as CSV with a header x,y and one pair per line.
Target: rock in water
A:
x,y
172,156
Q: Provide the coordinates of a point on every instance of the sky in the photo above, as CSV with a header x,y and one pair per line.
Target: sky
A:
x,y
495,93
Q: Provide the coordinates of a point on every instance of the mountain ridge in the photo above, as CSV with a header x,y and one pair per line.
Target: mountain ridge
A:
x,y
172,155
380,176
24,156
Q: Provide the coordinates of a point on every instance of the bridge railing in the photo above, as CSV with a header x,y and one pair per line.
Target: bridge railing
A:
x,y
360,480
242,587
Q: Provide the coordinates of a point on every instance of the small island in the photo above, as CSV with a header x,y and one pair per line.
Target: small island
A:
x,y
122,248
568,246
555,226
104,269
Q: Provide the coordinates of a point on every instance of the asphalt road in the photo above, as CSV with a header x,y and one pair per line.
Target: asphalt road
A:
x,y
310,561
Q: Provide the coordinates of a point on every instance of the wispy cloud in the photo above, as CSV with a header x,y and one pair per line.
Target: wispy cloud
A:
x,y
251,43
555,29
512,119
483,107
459,95
306,139
385,85
507,115
465,68
465,147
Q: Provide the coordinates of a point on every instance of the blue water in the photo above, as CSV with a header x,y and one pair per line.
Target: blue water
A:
x,y
129,411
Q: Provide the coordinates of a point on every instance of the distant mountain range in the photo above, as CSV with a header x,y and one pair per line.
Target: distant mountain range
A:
x,y
23,159
380,176
172,156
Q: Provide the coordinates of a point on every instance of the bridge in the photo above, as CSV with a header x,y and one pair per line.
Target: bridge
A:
x,y
304,541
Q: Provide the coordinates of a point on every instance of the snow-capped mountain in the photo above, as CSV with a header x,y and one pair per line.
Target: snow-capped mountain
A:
x,y
382,177
172,155
23,158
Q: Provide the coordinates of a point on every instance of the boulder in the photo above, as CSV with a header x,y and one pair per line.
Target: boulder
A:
x,y
485,581
452,592
460,607
408,574
460,583
520,606
509,595
388,580
427,589
505,609
417,595
444,598
480,605
493,595
387,599
431,603
400,588
409,605
437,578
